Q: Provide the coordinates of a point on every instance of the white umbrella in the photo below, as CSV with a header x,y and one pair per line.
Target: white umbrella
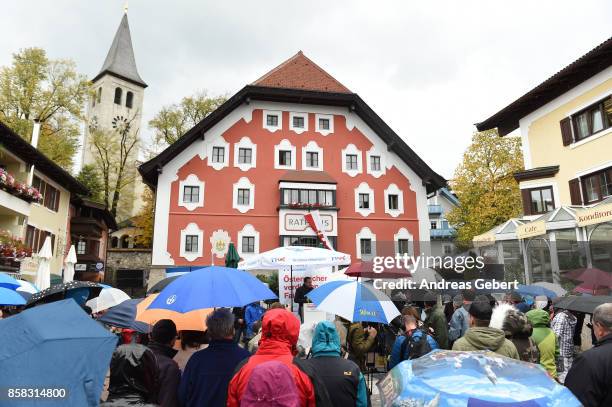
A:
x,y
109,297
295,256
27,287
70,261
292,256
43,276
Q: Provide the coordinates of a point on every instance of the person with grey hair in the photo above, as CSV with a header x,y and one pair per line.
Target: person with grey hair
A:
x,y
209,371
590,377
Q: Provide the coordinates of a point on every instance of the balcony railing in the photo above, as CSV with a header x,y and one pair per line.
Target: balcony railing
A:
x,y
433,209
442,233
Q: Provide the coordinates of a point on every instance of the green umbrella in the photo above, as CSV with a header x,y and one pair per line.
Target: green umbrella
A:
x,y
232,257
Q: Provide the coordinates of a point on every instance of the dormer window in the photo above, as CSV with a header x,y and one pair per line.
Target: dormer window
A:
x,y
298,122
129,100
218,154
118,95
272,120
323,124
351,162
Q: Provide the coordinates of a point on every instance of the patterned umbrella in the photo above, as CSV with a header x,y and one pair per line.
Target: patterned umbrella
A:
x,y
80,291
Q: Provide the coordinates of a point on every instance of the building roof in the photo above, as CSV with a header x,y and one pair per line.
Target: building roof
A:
x,y
588,65
120,60
305,176
31,156
536,173
433,181
98,207
299,72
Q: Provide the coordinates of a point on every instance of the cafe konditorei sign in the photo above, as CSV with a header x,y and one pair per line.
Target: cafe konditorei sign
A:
x,y
531,229
595,215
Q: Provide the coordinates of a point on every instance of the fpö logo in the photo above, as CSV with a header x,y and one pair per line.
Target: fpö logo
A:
x,y
277,259
338,258
367,313
170,300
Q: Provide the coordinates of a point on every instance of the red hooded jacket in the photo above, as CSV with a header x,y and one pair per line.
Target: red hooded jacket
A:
x,y
279,335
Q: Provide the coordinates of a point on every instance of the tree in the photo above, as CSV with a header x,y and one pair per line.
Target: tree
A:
x,y
483,182
144,219
35,87
172,121
115,151
90,177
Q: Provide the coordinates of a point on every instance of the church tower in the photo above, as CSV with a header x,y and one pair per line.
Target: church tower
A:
x,y
116,100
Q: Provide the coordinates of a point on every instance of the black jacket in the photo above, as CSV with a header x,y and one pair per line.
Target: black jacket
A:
x,y
300,294
590,377
134,377
340,377
169,374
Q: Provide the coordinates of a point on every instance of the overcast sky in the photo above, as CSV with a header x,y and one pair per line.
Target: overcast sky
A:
x,y
430,69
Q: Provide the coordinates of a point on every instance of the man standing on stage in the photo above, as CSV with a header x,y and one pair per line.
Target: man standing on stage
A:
x,y
300,295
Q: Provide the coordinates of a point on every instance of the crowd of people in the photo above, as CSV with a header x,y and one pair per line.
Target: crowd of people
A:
x,y
250,356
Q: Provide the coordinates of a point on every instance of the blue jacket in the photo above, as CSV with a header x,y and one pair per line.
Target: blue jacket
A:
x,y
326,348
252,314
459,324
396,357
208,373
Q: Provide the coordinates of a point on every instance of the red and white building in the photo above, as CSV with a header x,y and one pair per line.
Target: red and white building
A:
x,y
294,140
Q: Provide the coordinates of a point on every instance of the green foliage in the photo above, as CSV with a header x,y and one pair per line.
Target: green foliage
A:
x,y
90,177
271,280
488,193
172,121
144,219
35,87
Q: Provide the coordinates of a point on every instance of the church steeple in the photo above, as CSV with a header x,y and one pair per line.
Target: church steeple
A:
x,y
120,60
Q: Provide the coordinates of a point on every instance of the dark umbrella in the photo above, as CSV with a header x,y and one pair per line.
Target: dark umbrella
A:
x,y
582,303
232,257
80,291
365,269
124,316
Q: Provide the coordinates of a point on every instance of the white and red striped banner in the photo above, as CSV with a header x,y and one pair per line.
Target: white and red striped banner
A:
x,y
314,221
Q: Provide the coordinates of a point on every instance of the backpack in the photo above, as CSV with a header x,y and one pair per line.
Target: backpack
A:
x,y
270,385
413,348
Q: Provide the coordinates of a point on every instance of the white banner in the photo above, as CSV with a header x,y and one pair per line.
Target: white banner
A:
x,y
319,276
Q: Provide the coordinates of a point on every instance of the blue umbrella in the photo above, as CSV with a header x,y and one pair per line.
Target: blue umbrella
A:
x,y
354,301
535,290
10,297
124,316
55,346
211,287
8,281
446,378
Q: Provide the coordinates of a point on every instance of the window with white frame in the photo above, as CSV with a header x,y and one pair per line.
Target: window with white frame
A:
x,y
272,120
394,200
312,157
365,243
218,153
191,242
375,165
245,154
248,244
351,160
284,155
284,158
298,122
81,247
248,241
364,199
191,192
324,124
244,195
403,241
